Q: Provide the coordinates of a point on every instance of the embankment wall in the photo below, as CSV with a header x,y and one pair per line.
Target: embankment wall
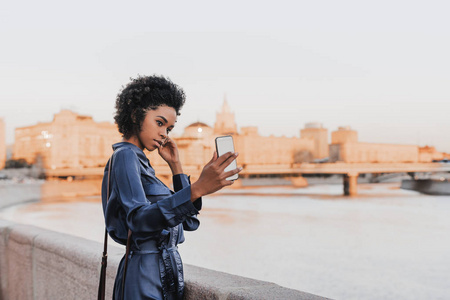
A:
x,y
40,264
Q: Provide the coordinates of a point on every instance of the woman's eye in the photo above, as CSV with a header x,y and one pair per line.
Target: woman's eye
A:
x,y
159,123
168,131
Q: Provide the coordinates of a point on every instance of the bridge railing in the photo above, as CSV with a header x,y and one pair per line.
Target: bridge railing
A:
x,y
303,168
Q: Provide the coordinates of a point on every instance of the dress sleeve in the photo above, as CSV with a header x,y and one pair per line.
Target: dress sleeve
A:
x,y
180,182
142,215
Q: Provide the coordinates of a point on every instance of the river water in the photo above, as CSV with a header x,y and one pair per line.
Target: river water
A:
x,y
385,243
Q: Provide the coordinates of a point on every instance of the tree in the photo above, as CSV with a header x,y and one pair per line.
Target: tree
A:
x,y
17,164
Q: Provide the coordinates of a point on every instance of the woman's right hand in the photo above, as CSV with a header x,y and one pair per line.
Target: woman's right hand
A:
x,y
213,176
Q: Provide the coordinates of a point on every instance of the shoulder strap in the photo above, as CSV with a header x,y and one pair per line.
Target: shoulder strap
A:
x,y
102,283
127,253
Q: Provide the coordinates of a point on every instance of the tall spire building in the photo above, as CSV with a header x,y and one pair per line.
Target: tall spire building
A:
x,y
225,124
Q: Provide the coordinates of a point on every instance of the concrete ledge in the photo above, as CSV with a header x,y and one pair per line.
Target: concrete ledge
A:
x,y
40,264
203,283
4,235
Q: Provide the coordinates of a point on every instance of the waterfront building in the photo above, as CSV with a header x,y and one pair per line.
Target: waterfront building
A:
x,y
344,134
352,152
69,141
2,144
225,123
429,154
255,149
317,133
197,144
345,147
75,141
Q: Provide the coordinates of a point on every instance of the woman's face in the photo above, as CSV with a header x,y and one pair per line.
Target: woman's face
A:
x,y
156,127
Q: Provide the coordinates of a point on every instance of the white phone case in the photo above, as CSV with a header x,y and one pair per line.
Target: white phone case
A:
x,y
225,144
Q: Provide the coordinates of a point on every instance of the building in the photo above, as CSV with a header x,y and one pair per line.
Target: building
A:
x,y
75,141
352,152
255,149
344,135
346,148
69,141
225,123
314,131
429,154
2,144
197,144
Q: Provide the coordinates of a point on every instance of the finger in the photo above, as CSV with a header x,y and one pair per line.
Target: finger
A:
x,y
229,155
232,172
229,160
228,182
167,141
161,149
213,158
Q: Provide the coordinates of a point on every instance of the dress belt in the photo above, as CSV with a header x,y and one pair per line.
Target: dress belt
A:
x,y
152,251
149,245
168,272
144,252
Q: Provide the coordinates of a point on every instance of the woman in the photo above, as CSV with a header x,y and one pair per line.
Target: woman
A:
x,y
146,111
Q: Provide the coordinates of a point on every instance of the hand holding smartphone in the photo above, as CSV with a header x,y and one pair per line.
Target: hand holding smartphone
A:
x,y
225,144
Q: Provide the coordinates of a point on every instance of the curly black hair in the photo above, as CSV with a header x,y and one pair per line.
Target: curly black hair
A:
x,y
141,95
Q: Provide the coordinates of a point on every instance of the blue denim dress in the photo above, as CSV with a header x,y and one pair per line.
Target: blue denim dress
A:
x,y
156,216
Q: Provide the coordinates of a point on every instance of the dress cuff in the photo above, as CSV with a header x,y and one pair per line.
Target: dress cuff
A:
x,y
178,207
198,204
180,181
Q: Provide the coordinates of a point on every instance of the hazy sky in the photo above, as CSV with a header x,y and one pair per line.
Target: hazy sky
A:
x,y
381,67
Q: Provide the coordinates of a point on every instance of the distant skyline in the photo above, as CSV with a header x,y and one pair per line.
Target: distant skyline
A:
x,y
381,68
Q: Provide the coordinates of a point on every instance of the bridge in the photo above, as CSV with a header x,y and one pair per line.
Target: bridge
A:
x,y
350,171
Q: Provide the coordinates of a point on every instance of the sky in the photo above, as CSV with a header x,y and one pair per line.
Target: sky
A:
x,y
380,67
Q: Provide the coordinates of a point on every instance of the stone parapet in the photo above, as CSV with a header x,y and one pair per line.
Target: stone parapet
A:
x,y
40,264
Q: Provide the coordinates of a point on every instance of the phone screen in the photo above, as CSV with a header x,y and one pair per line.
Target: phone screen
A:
x,y
225,144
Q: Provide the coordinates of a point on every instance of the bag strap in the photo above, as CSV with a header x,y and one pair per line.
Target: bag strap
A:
x,y
127,253
102,282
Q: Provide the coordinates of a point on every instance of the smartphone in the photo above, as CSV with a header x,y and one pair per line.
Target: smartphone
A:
x,y
225,144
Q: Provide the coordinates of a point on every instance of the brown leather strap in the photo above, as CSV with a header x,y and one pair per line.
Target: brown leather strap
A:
x,y
127,253
102,282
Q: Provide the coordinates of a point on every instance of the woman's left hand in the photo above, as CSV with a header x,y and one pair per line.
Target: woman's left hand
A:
x,y
169,152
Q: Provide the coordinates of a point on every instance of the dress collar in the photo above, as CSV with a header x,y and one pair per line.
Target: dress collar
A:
x,y
141,155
